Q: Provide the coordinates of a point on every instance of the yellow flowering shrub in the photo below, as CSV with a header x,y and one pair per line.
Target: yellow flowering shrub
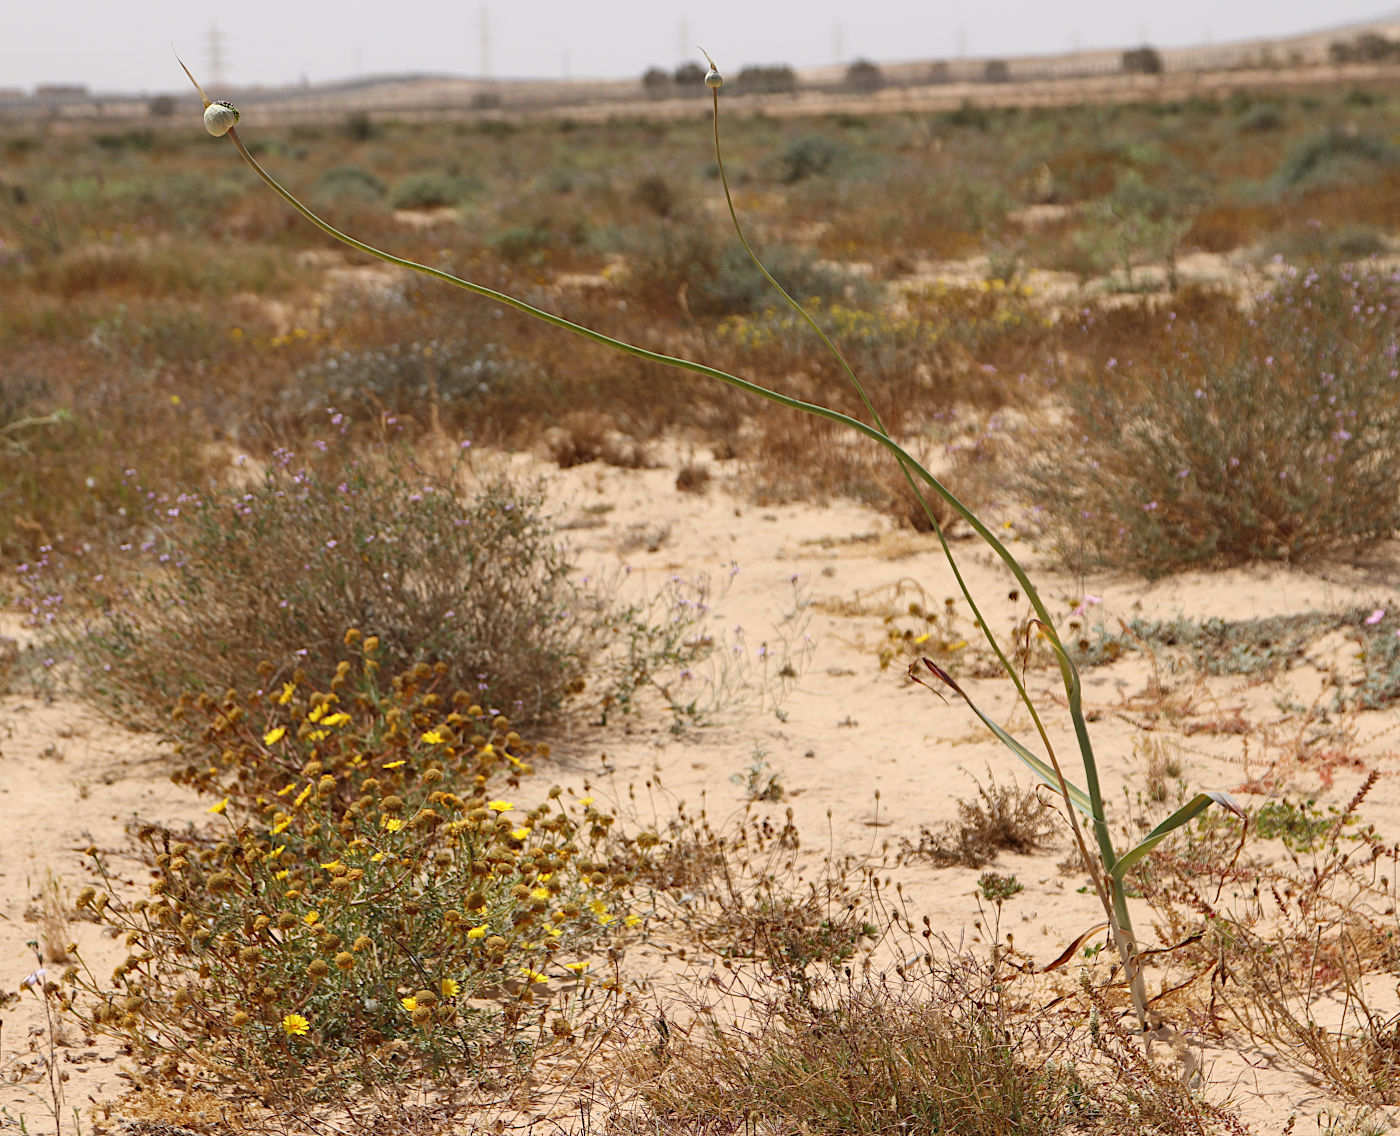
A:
x,y
368,905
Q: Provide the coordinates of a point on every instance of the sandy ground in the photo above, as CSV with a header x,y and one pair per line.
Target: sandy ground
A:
x,y
862,754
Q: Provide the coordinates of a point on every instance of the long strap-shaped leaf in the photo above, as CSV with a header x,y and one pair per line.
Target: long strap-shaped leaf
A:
x,y
1184,815
1040,768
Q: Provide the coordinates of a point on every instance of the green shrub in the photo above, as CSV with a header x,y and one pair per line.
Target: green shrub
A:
x,y
430,190
350,183
1331,245
451,374
274,571
522,244
712,276
1333,158
1268,436
809,155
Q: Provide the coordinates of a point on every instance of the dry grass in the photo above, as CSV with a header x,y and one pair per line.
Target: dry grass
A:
x,y
1001,819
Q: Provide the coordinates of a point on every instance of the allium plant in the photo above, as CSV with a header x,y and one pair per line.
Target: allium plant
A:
x,y
1106,866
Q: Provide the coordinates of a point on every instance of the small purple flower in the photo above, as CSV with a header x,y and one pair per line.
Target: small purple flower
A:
x,y
1375,617
1086,603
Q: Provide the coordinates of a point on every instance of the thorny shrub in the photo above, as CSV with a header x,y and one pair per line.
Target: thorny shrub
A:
x,y
373,913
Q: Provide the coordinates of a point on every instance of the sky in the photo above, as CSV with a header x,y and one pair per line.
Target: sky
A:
x,y
124,46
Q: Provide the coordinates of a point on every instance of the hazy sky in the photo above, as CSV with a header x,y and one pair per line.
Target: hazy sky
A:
x,y
124,45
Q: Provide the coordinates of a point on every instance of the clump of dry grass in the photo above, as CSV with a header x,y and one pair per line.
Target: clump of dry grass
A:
x,y
1000,819
946,1050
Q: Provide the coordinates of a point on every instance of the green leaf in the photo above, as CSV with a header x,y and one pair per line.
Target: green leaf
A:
x,y
1188,812
1040,768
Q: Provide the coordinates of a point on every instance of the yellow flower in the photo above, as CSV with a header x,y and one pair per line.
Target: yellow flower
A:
x,y
281,826
539,893
275,735
606,919
318,735
283,874
410,1003
433,737
301,797
632,920
277,852
477,932
448,988
288,689
576,967
287,789
393,764
392,824
333,865
311,918
377,857
339,718
499,806
520,833
585,800
295,1025
218,809
533,975
598,907
317,714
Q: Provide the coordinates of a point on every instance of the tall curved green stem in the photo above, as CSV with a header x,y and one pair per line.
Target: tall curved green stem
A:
x,y
1108,884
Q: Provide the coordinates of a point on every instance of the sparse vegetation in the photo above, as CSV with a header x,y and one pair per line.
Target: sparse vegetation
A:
x,y
364,784
1003,818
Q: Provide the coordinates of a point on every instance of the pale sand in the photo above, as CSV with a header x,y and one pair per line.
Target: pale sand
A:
x,y
850,730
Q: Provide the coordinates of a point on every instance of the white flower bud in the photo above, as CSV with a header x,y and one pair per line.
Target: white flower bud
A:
x,y
713,79
220,117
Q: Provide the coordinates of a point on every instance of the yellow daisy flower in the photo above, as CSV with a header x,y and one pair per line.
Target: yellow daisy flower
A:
x,y
295,1025
275,735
